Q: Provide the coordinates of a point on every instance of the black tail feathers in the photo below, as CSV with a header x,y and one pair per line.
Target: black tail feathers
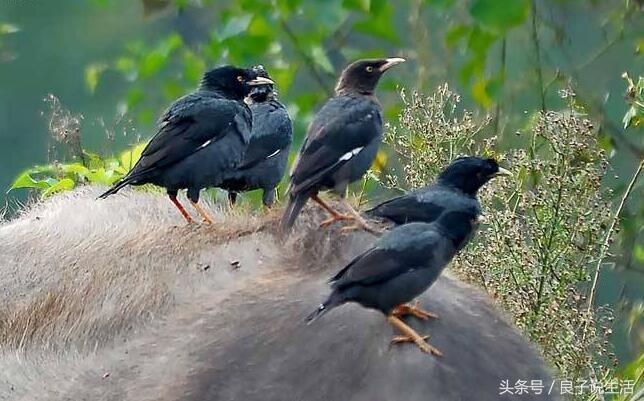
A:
x,y
116,187
293,209
331,303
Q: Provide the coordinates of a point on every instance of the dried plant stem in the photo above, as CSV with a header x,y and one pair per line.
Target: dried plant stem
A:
x,y
606,243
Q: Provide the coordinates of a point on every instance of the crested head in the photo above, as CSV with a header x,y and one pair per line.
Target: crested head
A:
x,y
362,76
470,173
232,82
261,93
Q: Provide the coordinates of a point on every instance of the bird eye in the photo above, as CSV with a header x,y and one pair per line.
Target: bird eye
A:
x,y
369,68
240,78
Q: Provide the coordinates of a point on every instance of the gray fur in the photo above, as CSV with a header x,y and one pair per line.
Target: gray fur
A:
x,y
111,300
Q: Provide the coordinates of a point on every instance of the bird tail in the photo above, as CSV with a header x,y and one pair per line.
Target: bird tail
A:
x,y
117,187
295,204
330,303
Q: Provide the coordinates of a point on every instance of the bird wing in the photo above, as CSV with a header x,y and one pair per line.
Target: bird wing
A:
x,y
342,128
402,249
190,124
426,205
406,208
373,266
272,133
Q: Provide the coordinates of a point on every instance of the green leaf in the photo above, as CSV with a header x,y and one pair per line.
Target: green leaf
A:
x,y
319,56
92,74
444,4
457,33
129,157
380,25
93,160
134,97
234,26
127,67
172,89
193,66
74,168
6,28
151,64
24,180
63,185
362,5
638,253
500,16
480,41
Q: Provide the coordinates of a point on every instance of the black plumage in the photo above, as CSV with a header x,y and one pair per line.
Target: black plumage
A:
x,y
201,137
341,142
265,160
407,260
455,189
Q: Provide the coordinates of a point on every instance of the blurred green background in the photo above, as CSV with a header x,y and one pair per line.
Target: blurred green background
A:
x,y
115,64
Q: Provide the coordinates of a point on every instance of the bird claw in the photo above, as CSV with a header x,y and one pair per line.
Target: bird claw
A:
x,y
414,310
361,226
348,229
334,218
420,342
405,339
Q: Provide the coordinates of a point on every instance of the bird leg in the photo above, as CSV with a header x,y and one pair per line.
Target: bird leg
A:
x,y
179,206
414,310
358,221
410,335
335,215
202,213
232,198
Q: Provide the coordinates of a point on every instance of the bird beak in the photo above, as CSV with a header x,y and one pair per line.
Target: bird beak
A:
x,y
390,62
260,81
502,173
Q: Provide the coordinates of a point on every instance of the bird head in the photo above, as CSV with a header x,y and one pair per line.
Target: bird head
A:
x,y
232,82
362,76
261,93
470,173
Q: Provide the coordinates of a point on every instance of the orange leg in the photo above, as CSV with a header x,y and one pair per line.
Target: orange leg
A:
x,y
410,335
358,221
414,310
335,215
202,213
179,206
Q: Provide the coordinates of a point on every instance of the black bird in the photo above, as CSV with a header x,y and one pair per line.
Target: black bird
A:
x,y
266,157
341,143
201,136
455,189
406,261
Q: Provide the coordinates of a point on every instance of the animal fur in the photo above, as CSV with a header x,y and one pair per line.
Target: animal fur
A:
x,y
118,299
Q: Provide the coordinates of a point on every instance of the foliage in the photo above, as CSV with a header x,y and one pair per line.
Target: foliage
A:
x,y
635,98
57,177
542,231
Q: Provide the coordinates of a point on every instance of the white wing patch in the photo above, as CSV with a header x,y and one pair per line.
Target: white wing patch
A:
x,y
205,144
350,154
274,153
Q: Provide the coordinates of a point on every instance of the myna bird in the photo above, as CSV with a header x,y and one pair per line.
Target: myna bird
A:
x,y
266,157
455,188
201,137
406,261
341,143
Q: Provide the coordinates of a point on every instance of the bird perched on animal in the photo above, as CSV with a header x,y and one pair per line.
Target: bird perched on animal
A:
x,y
266,157
455,188
407,260
201,137
341,143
